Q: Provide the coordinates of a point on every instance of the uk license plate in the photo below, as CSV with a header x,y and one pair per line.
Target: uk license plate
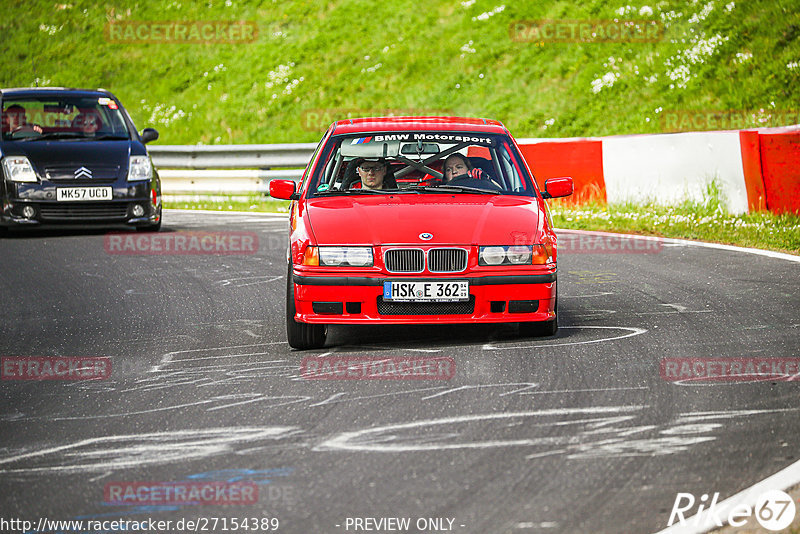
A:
x,y
426,291
83,193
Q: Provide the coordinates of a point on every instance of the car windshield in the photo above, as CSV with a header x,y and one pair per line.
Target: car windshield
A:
x,y
62,117
421,163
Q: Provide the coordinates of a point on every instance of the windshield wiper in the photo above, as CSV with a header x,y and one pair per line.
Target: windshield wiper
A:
x,y
334,192
451,189
109,137
54,135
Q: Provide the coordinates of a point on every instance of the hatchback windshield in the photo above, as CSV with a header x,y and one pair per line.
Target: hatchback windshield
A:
x,y
421,162
62,117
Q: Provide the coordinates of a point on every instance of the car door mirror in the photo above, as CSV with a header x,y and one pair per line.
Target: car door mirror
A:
x,y
149,134
283,189
558,187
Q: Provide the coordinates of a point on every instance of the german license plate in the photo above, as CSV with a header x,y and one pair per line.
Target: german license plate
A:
x,y
83,193
426,291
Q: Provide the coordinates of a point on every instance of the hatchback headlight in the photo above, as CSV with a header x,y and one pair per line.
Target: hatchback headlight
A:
x,y
140,168
19,169
345,256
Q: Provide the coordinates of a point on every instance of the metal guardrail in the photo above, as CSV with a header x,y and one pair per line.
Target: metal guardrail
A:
x,y
231,156
228,168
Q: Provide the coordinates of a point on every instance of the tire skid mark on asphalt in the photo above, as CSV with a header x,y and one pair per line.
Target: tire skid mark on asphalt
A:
x,y
517,345
259,280
606,423
602,294
106,453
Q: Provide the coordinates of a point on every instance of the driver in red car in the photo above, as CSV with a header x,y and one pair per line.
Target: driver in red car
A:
x,y
372,173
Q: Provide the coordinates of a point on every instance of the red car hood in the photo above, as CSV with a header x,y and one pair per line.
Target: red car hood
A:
x,y
459,219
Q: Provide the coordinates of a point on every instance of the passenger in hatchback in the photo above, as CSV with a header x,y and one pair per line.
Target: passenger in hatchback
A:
x,y
87,123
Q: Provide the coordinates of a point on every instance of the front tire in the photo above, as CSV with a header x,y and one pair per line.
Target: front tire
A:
x,y
301,336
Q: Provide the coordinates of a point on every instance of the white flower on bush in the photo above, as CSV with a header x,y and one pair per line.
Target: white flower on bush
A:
x,y
372,68
467,48
793,65
607,80
698,17
50,30
645,11
730,6
485,16
279,76
680,74
163,114
741,57
467,3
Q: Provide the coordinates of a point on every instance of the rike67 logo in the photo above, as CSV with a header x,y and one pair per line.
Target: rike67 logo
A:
x,y
774,510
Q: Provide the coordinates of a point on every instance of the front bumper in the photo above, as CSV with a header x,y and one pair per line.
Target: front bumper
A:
x,y
359,300
47,211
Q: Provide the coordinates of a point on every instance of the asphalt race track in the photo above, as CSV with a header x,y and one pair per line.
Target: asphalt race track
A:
x,y
575,433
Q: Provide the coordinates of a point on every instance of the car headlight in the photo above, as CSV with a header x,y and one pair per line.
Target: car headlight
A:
x,y
345,256
19,169
514,255
140,168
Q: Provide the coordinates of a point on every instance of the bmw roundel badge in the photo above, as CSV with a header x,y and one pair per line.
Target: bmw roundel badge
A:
x,y
426,236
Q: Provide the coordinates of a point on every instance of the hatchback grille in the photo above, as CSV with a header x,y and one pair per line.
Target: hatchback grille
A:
x,y
426,308
447,260
66,173
84,212
404,260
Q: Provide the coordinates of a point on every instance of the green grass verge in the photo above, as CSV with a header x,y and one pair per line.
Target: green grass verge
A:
x,y
759,230
254,203
314,62
705,221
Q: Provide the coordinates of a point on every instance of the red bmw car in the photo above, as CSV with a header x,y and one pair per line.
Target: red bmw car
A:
x,y
419,220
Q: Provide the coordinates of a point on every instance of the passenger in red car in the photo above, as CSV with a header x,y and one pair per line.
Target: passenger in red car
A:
x,y
459,166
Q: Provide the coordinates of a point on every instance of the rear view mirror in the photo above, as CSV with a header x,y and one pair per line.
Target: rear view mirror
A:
x,y
149,134
283,189
426,148
558,187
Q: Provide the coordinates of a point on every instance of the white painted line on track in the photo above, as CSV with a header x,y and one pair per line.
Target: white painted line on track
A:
x,y
668,240
782,480
686,242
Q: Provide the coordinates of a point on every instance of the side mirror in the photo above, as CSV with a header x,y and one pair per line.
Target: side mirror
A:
x,y
283,189
558,187
149,134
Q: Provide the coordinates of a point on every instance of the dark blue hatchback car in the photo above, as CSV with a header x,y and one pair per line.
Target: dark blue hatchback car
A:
x,y
74,156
